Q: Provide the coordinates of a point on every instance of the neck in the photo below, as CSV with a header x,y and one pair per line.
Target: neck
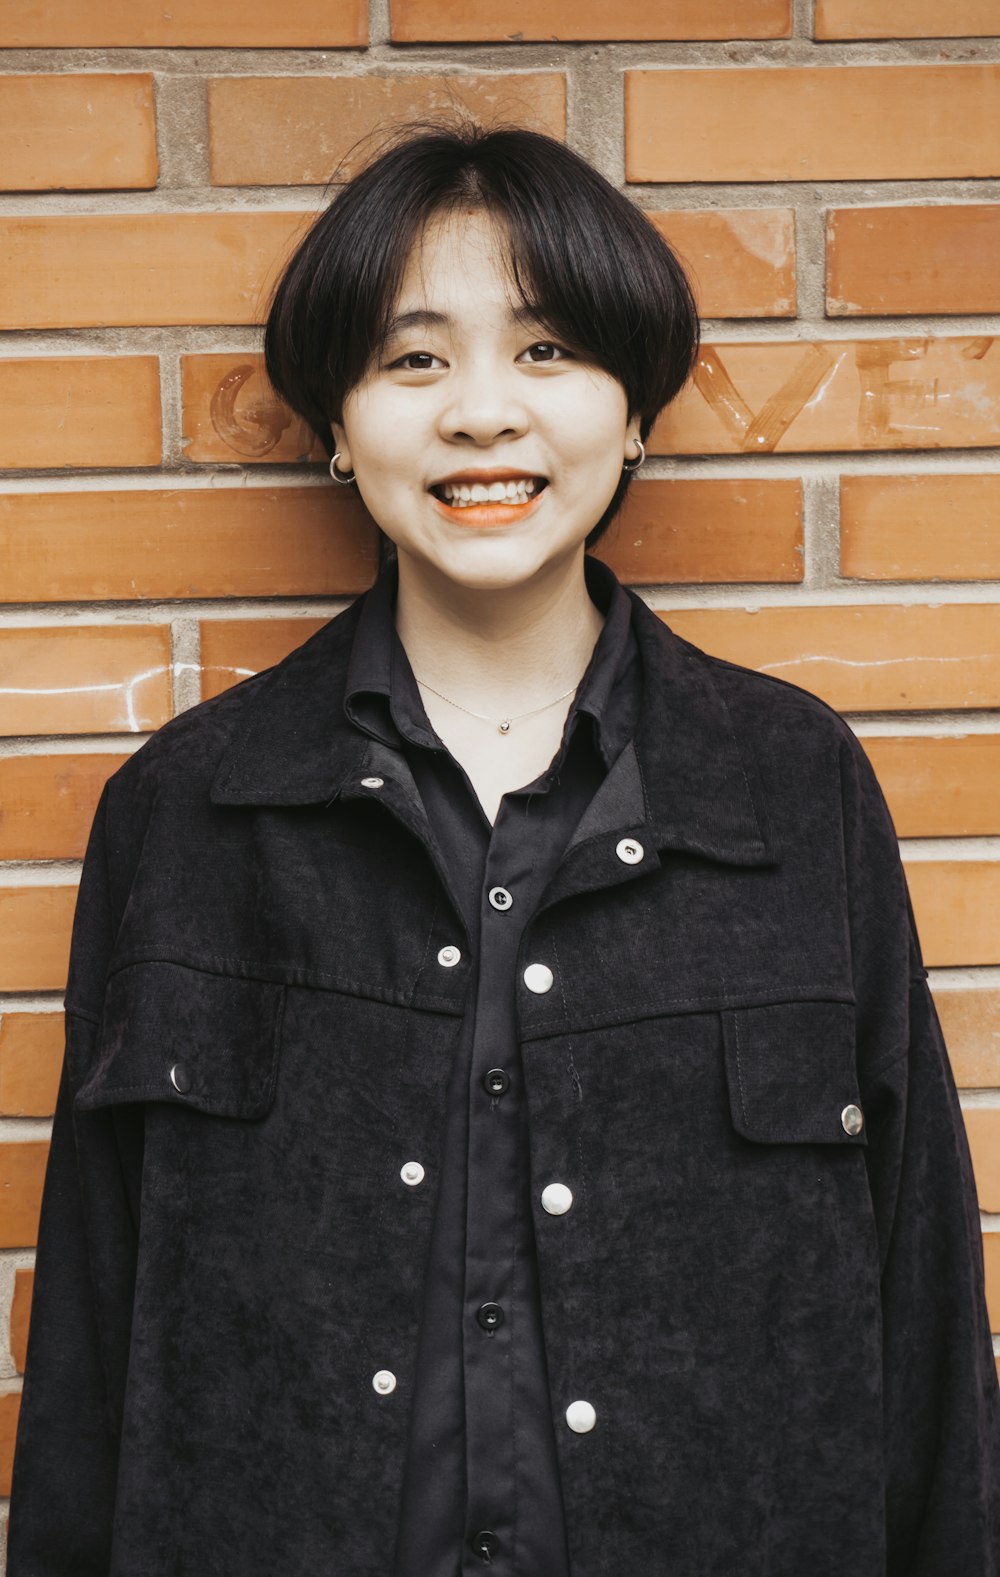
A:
x,y
498,650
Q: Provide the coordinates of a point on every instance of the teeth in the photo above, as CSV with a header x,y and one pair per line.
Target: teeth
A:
x,y
460,494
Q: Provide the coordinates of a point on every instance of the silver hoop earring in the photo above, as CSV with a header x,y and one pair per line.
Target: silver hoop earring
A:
x,y
345,481
633,465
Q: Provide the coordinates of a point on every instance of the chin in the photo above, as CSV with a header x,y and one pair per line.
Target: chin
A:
x,y
498,566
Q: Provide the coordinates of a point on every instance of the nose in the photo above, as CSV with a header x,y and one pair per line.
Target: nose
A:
x,y
484,405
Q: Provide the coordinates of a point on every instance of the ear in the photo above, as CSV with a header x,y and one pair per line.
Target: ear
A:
x,y
341,447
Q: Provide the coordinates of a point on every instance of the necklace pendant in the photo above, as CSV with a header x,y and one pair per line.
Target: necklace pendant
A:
x,y
503,727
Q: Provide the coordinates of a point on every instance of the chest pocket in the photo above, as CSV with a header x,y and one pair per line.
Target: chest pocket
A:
x,y
172,1033
791,1068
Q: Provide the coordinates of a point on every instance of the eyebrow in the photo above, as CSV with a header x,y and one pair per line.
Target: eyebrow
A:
x,y
440,320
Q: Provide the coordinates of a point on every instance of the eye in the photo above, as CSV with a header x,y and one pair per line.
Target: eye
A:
x,y
415,361
542,351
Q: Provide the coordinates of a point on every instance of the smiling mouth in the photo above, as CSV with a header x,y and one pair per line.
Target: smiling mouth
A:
x,y
470,495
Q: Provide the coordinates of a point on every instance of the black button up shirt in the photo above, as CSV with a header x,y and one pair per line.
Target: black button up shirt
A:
x,y
482,1481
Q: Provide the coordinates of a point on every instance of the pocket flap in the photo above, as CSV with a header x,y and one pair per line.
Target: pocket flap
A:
x,y
791,1068
172,1033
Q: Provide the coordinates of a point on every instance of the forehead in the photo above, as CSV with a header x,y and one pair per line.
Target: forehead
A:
x,y
462,255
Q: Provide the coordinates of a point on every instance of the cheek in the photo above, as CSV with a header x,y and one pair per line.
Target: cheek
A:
x,y
593,439
592,418
389,436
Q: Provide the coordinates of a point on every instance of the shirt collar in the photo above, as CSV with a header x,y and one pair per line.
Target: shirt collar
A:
x,y
382,698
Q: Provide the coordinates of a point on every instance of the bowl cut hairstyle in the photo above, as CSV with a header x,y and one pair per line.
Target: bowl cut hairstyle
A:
x,y
594,271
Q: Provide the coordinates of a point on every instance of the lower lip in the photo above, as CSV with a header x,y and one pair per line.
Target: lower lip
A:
x,y
483,515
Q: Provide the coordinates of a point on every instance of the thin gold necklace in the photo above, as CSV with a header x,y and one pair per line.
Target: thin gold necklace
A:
x,y
502,724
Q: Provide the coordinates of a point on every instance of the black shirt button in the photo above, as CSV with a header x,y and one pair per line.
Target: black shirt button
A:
x,y
180,1078
490,1316
497,1081
486,1545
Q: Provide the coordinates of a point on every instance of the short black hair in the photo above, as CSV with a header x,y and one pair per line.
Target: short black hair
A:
x,y
594,270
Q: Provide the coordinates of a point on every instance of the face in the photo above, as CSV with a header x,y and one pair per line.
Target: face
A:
x,y
483,449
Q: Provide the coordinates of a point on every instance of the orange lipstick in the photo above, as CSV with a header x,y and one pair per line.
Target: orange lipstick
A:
x,y
493,512
490,514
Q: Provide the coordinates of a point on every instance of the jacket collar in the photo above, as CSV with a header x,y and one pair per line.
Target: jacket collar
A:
x,y
294,745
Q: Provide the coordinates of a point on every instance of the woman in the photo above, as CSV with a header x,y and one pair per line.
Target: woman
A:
x,y
504,1118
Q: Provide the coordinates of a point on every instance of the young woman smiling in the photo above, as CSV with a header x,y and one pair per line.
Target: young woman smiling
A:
x,y
504,1119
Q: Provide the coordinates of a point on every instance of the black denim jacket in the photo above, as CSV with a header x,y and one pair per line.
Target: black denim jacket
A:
x,y
769,1284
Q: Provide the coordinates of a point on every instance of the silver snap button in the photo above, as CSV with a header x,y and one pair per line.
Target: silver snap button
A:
x,y
500,898
539,978
373,782
853,1119
412,1173
630,850
556,1199
581,1417
384,1382
180,1078
449,956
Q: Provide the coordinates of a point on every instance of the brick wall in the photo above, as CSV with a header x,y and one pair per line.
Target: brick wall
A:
x,y
823,501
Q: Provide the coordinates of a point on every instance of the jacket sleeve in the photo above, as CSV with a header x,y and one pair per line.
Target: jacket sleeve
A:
x,y
941,1401
66,1447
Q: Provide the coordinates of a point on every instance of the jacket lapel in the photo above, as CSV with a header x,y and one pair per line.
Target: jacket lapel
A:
x,y
293,744
699,767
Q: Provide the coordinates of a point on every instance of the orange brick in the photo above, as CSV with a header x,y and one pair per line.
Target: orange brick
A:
x,y
939,786
741,261
49,802
956,903
861,659
233,649
76,132
144,24
88,270
923,527
808,123
35,924
970,1023
982,1124
186,542
31,1053
906,19
712,529
20,1316
88,679
79,411
991,1263
830,395
304,126
231,413
474,21
22,1173
10,1407
936,258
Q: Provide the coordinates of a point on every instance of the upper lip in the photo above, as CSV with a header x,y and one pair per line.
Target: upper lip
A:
x,y
493,474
